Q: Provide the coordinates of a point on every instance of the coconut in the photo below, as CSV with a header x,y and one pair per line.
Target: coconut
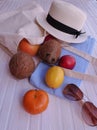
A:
x,y
21,65
50,51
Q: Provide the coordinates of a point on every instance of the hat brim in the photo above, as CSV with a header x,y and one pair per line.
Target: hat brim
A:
x,y
41,19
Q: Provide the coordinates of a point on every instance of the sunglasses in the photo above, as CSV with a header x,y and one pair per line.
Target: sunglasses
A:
x,y
89,110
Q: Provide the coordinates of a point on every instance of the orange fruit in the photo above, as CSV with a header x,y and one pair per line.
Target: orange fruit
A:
x,y
35,101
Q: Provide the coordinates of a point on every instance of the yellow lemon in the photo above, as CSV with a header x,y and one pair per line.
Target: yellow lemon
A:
x,y
54,77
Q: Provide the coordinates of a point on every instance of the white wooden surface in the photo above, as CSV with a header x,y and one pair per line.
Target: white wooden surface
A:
x,y
60,114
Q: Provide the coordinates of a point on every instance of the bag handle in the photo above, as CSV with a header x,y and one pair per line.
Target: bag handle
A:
x,y
6,50
84,55
78,75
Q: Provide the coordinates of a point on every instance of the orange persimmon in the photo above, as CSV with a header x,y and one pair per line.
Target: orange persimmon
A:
x,y
35,101
27,47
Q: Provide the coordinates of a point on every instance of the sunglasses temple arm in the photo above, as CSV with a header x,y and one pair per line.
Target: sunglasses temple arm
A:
x,y
84,55
79,75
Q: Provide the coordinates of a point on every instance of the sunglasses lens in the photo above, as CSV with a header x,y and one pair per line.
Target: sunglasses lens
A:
x,y
72,92
89,113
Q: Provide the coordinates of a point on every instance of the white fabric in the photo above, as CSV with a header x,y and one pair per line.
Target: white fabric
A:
x,y
19,24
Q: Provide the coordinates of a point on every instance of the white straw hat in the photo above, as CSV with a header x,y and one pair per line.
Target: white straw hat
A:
x,y
64,21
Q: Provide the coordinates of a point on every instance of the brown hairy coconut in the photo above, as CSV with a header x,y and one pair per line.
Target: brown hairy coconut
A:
x,y
21,65
50,51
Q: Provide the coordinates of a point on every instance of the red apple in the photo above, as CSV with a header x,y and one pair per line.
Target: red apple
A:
x,y
48,37
67,61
